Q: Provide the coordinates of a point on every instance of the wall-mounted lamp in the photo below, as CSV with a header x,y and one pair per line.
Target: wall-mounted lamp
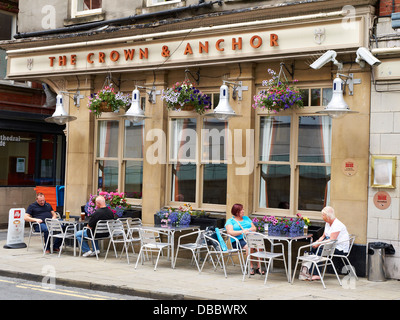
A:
x,y
337,107
224,110
60,116
135,112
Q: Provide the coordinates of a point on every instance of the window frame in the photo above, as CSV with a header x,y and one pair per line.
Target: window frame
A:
x,y
149,3
199,161
120,158
75,13
293,162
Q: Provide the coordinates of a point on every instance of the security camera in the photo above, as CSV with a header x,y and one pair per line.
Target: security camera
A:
x,y
328,56
364,55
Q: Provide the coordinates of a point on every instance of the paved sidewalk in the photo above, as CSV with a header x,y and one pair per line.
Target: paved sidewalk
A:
x,y
184,282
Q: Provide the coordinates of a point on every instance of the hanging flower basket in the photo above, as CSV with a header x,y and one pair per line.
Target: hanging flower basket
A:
x,y
279,94
185,96
106,100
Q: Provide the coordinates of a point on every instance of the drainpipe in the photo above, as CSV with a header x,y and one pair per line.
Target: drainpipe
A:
x,y
126,20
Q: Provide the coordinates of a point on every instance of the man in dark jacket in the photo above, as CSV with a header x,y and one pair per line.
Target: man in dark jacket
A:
x,y
102,213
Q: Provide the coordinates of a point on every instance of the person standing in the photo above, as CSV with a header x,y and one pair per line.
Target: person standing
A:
x,y
38,212
102,213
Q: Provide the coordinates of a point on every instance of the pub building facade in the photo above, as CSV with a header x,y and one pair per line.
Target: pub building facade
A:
x,y
295,161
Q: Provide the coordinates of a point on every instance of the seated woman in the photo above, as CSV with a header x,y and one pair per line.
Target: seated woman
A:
x,y
334,230
238,226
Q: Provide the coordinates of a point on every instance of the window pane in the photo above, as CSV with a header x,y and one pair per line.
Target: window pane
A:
x,y
134,179
314,187
18,156
326,96
214,183
183,139
84,5
133,144
275,138
107,139
46,161
275,186
305,95
315,97
315,139
108,175
183,182
214,140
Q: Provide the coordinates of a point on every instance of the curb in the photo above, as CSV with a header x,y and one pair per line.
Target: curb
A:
x,y
100,287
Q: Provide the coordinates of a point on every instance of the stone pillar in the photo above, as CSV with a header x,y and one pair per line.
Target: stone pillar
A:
x,y
80,145
154,157
240,180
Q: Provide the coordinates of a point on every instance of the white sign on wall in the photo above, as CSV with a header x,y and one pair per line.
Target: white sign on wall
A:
x,y
16,228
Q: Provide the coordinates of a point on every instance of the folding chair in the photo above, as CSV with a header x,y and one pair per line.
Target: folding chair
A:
x,y
100,233
56,230
345,258
195,247
33,232
117,235
325,259
149,243
214,248
255,241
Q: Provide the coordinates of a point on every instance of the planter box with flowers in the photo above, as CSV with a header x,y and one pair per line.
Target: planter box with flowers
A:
x,y
116,201
106,100
279,95
282,226
185,215
185,96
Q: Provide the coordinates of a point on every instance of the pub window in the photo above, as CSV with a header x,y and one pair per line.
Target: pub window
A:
x,y
119,157
197,160
31,159
86,7
294,157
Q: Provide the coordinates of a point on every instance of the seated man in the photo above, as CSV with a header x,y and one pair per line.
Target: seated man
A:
x,y
101,213
38,212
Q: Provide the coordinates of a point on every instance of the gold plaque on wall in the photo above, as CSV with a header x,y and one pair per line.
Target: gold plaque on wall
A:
x,y
383,172
349,167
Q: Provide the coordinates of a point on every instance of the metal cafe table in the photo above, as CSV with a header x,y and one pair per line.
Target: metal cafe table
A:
x,y
170,230
289,239
77,223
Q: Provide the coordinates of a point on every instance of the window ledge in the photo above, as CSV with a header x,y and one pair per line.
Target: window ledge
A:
x,y
85,19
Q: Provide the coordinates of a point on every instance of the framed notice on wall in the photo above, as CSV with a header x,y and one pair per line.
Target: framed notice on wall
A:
x,y
383,172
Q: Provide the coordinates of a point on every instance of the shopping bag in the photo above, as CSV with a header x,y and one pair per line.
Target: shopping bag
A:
x,y
220,240
305,268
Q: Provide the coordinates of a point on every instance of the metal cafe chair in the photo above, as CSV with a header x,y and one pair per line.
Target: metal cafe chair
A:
x,y
118,235
255,241
35,232
149,244
196,247
325,259
214,249
100,233
345,258
56,230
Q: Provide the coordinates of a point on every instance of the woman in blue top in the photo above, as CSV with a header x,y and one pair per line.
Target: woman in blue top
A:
x,y
238,226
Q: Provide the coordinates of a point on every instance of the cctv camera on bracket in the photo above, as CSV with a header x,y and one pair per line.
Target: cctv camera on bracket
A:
x,y
329,56
364,55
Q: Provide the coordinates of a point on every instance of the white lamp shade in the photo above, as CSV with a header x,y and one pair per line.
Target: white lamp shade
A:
x,y
337,107
135,112
224,110
60,116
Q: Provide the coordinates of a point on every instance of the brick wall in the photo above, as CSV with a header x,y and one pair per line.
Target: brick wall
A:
x,y
386,7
